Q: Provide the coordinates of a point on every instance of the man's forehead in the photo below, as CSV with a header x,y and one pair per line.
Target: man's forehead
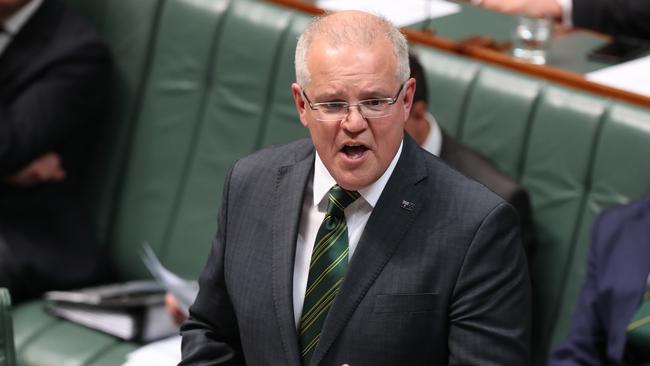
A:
x,y
322,46
332,70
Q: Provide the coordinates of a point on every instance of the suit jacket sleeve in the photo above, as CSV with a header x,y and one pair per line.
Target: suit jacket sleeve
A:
x,y
490,307
520,200
211,334
480,168
585,344
617,17
62,96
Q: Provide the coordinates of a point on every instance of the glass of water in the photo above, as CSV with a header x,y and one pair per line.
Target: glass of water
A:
x,y
531,38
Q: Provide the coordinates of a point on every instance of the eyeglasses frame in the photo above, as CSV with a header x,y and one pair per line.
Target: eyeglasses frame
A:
x,y
314,106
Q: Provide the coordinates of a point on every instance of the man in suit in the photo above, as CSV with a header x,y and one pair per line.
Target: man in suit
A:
x,y
426,131
356,246
617,278
620,18
53,72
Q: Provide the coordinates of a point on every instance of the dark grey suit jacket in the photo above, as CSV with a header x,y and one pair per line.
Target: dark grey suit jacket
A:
x,y
476,166
444,282
53,83
617,17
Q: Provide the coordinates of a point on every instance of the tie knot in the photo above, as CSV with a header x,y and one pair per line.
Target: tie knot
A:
x,y
339,199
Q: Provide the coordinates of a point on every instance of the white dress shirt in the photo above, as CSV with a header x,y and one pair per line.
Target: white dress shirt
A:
x,y
567,12
433,142
16,22
314,208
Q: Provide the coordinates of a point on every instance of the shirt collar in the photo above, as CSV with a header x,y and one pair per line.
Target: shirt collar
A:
x,y
433,142
323,181
15,22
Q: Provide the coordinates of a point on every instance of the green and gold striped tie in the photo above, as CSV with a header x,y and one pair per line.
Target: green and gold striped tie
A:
x,y
329,262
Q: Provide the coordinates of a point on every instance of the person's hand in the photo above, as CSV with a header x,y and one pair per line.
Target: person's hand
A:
x,y
173,309
44,169
531,8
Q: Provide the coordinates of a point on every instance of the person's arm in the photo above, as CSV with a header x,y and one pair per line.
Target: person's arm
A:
x,y
211,334
491,301
173,309
46,168
620,18
520,200
52,108
533,8
586,342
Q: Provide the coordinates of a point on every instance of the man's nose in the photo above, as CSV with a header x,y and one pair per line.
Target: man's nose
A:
x,y
354,121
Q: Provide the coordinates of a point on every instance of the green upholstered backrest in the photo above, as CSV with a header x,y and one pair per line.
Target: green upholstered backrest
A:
x,y
174,99
7,352
576,153
216,88
449,90
128,27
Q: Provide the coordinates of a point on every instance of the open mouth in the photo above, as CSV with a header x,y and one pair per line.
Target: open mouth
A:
x,y
354,151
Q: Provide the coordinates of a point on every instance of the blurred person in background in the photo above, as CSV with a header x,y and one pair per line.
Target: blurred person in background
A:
x,y
53,83
426,131
611,323
616,17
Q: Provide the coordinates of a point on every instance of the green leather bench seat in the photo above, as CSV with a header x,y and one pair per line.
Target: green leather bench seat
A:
x,y
201,83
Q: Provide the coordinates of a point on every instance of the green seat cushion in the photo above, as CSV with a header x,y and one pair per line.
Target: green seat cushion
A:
x,y
42,339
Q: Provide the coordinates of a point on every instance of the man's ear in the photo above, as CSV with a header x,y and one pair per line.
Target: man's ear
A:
x,y
409,92
300,102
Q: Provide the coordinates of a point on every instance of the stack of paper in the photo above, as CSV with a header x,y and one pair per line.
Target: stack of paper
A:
x,y
633,76
166,352
132,311
184,291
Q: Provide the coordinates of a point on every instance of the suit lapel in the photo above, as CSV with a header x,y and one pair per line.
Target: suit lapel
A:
x,y
22,53
391,218
288,196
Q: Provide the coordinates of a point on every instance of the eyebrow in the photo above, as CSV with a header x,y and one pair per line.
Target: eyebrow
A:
x,y
335,96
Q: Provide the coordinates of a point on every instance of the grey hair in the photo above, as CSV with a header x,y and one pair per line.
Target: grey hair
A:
x,y
357,30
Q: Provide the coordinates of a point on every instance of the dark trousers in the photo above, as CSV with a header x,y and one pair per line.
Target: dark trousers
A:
x,y
6,265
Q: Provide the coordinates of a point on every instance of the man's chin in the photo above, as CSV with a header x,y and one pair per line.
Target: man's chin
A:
x,y
354,180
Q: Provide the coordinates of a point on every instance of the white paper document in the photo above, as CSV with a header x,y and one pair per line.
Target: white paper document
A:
x,y
632,76
166,352
184,291
401,13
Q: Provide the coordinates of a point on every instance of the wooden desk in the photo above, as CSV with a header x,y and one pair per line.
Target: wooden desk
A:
x,y
563,66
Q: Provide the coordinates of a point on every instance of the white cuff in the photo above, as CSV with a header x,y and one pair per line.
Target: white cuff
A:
x,y
567,7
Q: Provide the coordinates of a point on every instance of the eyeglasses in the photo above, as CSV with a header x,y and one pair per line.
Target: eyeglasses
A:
x,y
369,108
